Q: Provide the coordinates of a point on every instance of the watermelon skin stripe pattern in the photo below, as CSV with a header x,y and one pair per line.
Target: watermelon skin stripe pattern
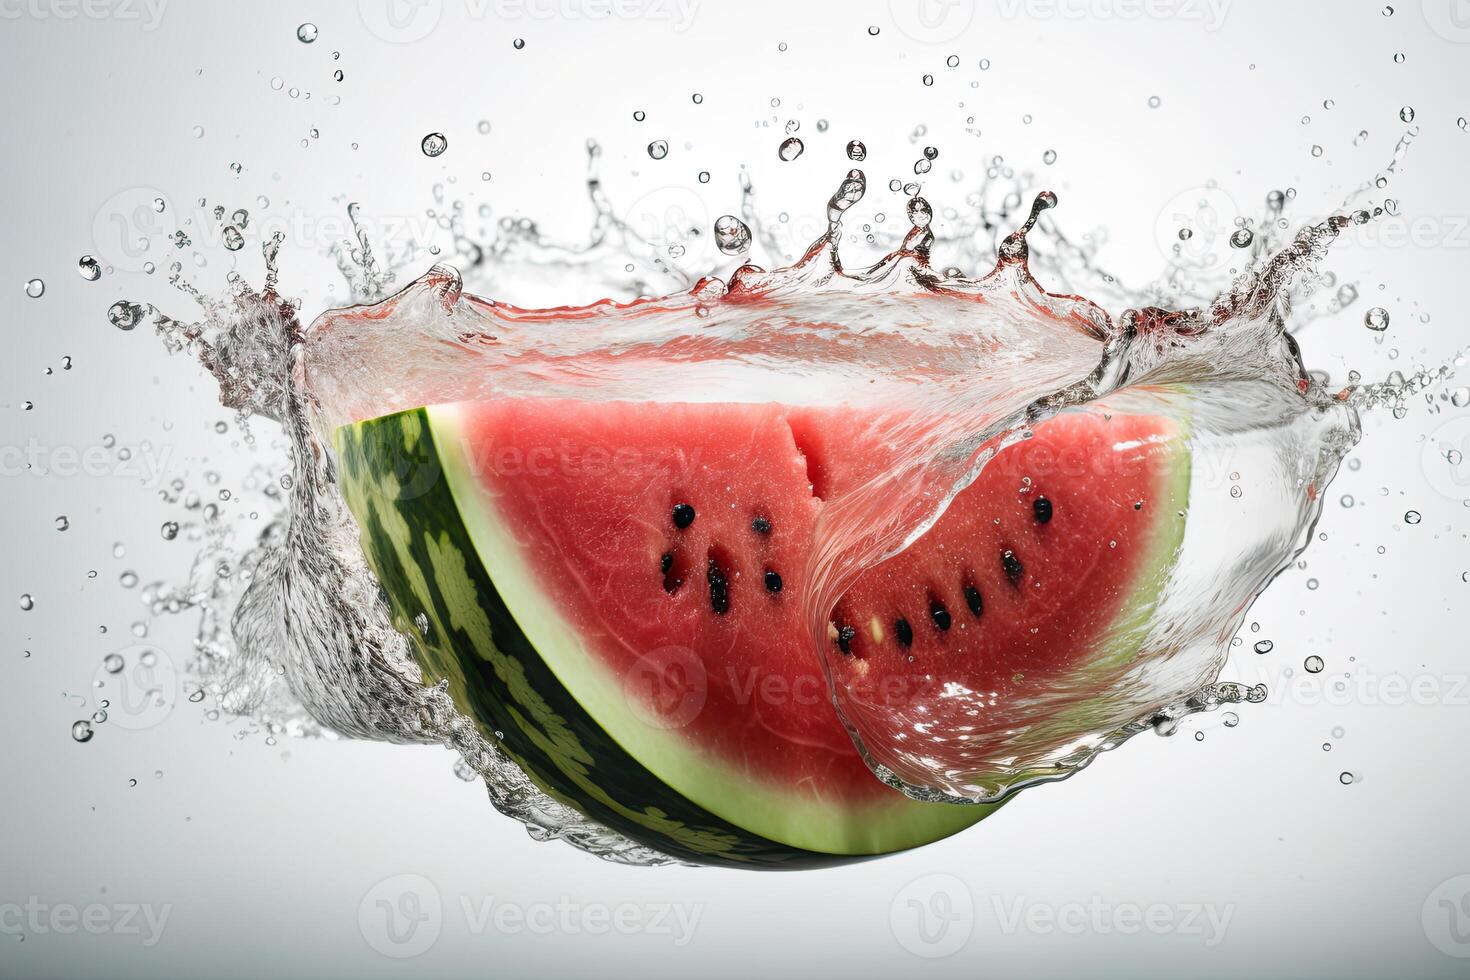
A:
x,y
417,544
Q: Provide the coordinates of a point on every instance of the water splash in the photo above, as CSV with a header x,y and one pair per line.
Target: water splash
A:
x,y
307,645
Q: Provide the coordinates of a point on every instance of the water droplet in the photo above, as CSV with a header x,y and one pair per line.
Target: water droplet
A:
x,y
790,149
128,579
704,176
928,79
1460,397
81,731
1230,719
1264,646
519,43
62,523
873,30
35,288
732,236
857,151
697,99
1049,157
234,241
1407,113
1398,59
1313,664
1241,238
26,602
658,149
89,268
113,663
1154,102
1346,778
434,144
639,115
1376,319
124,315
306,33
1412,517
169,530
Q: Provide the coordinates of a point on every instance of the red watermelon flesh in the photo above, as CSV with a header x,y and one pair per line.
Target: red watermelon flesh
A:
x,y
683,532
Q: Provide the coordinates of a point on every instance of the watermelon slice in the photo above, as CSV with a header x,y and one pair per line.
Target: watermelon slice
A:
x,y
613,592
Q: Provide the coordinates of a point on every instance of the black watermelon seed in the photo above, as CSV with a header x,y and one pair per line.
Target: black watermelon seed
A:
x,y
666,562
719,589
773,581
1012,566
1041,507
939,613
761,525
904,630
973,600
683,516
844,638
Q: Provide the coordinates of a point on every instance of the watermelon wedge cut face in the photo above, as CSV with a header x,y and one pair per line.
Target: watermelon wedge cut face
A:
x,y
614,593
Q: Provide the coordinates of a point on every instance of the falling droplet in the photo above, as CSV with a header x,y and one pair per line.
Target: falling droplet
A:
x,y
790,149
62,523
169,530
1412,517
857,151
81,731
1376,319
1264,646
113,663
658,149
1313,664
35,288
306,33
124,315
434,144
1241,238
89,268
234,241
519,43
26,602
732,236
1407,113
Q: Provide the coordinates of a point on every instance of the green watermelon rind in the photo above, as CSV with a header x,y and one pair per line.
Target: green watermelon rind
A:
x,y
429,533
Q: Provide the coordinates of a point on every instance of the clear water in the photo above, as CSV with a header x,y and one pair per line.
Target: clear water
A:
x,y
300,640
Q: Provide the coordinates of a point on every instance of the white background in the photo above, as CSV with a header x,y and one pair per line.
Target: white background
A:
x,y
270,858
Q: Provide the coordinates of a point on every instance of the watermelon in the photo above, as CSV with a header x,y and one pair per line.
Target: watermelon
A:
x,y
613,591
